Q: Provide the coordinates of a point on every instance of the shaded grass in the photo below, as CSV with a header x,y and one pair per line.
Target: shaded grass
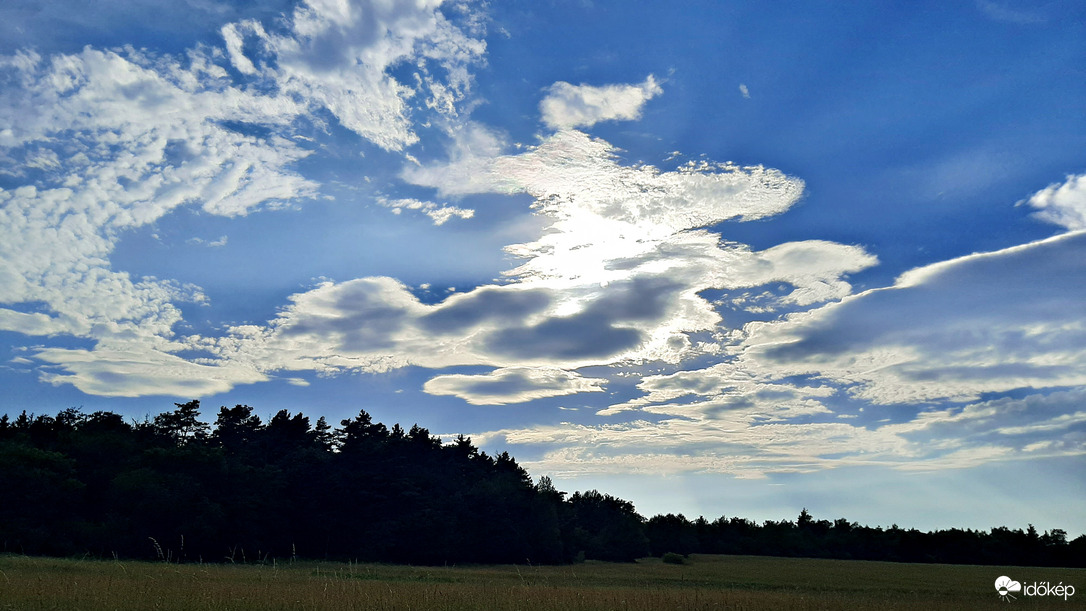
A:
x,y
705,582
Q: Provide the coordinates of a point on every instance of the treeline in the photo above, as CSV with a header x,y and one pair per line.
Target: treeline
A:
x,y
176,488
807,537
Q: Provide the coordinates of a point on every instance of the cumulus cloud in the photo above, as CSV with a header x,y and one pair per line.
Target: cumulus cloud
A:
x,y
513,385
815,269
568,106
375,324
1062,204
233,37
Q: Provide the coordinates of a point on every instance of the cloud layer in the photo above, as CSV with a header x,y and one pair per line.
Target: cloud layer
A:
x,y
616,277
896,377
762,359
103,142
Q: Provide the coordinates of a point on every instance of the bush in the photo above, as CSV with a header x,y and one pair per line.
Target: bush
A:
x,y
673,558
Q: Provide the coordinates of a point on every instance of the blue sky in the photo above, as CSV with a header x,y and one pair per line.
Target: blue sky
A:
x,y
715,258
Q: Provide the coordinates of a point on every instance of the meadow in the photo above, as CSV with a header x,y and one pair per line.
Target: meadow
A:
x,y
726,583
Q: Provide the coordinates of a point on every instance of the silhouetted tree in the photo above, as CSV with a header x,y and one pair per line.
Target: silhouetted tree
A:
x,y
182,425
607,528
235,428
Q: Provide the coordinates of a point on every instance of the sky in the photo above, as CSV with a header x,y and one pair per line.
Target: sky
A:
x,y
717,258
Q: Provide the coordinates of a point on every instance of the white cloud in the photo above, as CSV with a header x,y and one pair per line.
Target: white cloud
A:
x,y
983,323
937,341
439,213
733,444
115,140
29,323
774,430
222,241
337,56
1062,204
815,269
138,371
615,277
513,385
568,106
473,151
232,34
138,142
108,141
727,389
355,325
571,173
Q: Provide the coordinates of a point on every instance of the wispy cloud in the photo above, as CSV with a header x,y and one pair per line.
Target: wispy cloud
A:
x,y
222,241
439,213
776,430
1006,12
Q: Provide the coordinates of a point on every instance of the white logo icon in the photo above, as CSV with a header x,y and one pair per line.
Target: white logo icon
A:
x,y
1005,585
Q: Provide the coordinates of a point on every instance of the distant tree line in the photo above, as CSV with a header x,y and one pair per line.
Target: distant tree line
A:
x,y
807,537
176,488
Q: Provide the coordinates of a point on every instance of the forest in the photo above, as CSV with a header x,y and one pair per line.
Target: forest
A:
x,y
178,489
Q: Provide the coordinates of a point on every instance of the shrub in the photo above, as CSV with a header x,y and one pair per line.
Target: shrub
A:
x,y
673,558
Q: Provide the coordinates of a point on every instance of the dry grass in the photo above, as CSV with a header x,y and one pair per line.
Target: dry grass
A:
x,y
707,582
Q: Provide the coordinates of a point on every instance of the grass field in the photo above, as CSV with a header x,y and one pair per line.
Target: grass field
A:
x,y
727,583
